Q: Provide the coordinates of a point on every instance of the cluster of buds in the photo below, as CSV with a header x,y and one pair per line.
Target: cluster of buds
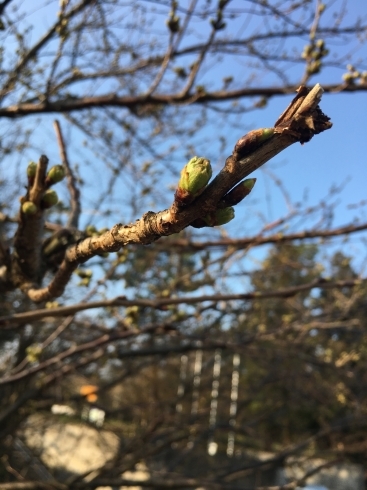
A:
x,y
49,196
225,211
194,178
215,218
313,53
62,28
353,76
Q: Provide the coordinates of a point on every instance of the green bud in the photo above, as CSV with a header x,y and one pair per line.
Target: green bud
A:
x,y
251,141
193,180
84,282
49,199
249,184
173,23
29,208
239,192
219,217
84,273
348,78
31,169
55,174
91,230
34,352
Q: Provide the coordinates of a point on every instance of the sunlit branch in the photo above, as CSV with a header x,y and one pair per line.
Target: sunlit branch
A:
x,y
299,122
137,101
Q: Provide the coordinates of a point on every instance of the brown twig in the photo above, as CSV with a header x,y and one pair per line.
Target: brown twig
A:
x,y
26,258
31,54
77,349
254,241
70,179
159,303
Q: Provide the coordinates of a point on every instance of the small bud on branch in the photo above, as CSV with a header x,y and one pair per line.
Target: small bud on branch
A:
x,y
29,208
194,178
49,199
237,194
55,175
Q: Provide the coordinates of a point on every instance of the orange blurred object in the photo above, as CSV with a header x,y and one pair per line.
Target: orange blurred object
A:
x,y
89,391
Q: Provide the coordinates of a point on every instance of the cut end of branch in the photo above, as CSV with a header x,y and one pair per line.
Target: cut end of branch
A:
x,y
303,118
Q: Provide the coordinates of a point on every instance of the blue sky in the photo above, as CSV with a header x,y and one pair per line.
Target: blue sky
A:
x,y
331,158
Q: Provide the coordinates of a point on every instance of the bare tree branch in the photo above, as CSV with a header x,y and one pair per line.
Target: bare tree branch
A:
x,y
159,303
138,101
71,181
299,122
258,240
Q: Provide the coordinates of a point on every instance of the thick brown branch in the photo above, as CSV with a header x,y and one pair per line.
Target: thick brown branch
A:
x,y
137,101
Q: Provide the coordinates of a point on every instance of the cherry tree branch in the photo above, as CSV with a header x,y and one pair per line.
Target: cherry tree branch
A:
x,y
161,303
77,104
70,179
300,122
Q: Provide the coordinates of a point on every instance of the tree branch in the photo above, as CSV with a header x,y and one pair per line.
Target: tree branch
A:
x,y
299,122
72,104
160,303
187,244
71,181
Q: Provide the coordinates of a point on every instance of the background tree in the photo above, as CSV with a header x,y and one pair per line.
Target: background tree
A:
x,y
276,303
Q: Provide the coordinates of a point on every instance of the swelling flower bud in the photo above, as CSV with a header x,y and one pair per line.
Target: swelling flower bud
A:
x,y
194,178
31,169
251,141
49,199
216,218
29,208
55,174
220,217
239,192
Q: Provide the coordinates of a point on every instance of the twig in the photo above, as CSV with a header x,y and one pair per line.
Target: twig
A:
x,y
70,179
77,349
26,258
187,244
159,303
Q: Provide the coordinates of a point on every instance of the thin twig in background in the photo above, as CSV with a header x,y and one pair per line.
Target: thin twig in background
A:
x,y
70,179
